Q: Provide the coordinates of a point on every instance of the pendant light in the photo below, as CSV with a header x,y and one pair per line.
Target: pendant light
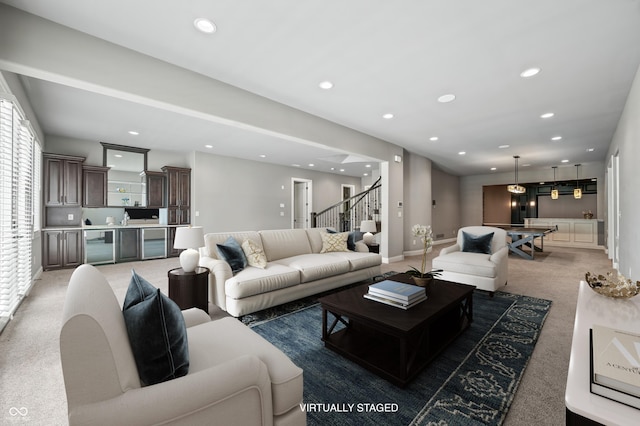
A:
x,y
577,193
516,189
554,191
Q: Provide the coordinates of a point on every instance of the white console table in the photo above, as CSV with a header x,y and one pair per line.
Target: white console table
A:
x,y
583,407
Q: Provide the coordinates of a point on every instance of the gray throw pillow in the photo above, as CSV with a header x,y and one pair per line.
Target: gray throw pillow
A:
x,y
231,252
477,244
157,332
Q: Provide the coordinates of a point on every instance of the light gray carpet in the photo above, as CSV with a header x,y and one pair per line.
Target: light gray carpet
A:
x,y
31,377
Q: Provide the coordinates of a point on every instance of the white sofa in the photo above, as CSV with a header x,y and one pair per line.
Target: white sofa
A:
x,y
295,269
485,271
235,376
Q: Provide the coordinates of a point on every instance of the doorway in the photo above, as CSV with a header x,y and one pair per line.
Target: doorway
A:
x,y
301,203
348,191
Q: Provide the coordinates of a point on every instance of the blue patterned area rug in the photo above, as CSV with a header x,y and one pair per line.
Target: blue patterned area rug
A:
x,y
472,382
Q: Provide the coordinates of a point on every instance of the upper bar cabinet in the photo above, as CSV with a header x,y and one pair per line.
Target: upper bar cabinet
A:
x,y
62,180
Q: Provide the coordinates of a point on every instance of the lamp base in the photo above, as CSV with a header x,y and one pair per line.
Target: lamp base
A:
x,y
189,260
368,238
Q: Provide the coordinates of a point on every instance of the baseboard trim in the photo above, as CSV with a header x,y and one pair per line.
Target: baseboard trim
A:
x,y
392,259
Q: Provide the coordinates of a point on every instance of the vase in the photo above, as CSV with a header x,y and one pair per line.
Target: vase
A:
x,y
423,282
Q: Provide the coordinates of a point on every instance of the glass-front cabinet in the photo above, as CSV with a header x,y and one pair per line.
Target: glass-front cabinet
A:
x,y
154,243
99,246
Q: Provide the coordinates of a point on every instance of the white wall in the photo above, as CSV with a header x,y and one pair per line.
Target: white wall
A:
x,y
445,216
417,197
230,194
626,143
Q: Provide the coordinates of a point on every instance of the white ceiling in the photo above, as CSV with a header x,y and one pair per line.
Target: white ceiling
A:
x,y
382,57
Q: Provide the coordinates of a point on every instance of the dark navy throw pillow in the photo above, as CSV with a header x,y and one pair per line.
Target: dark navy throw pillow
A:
x,y
157,332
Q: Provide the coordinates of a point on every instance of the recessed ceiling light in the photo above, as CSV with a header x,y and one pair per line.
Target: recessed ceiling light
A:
x,y
564,161
530,72
205,25
326,85
446,98
368,165
296,165
333,168
433,138
311,165
504,146
263,156
526,165
556,138
590,149
118,155
547,115
387,116
493,169
366,174
133,132
342,170
462,153
208,146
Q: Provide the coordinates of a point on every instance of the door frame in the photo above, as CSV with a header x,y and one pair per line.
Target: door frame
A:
x,y
309,203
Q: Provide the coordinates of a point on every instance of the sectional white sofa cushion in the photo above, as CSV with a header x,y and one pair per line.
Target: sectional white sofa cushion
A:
x,y
295,268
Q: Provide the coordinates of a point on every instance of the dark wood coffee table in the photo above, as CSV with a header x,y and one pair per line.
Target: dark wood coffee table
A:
x,y
393,343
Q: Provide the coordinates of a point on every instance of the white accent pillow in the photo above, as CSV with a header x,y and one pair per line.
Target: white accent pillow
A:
x,y
334,242
255,255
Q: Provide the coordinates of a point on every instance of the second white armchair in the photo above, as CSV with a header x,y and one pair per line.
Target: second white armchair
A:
x,y
479,257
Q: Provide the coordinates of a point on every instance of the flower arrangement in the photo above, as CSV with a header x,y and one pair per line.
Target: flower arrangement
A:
x,y
426,235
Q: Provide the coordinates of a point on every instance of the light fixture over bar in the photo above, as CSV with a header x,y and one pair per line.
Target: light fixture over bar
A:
x,y
577,193
515,188
554,191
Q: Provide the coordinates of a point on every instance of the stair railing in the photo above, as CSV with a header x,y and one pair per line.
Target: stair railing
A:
x,y
346,215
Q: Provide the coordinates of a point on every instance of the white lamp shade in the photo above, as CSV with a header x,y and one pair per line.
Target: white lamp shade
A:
x,y
189,237
368,226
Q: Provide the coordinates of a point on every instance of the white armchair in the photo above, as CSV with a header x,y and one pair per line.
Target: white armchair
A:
x,y
487,271
235,376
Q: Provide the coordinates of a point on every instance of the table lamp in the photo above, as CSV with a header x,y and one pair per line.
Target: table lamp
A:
x,y
368,226
190,238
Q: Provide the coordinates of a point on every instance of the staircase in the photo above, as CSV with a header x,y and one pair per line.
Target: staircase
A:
x,y
346,215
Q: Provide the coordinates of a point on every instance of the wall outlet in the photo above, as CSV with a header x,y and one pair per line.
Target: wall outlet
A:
x,y
197,213
70,216
414,242
282,205
399,214
281,213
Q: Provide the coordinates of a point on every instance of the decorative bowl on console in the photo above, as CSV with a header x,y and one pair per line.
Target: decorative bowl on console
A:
x,y
618,287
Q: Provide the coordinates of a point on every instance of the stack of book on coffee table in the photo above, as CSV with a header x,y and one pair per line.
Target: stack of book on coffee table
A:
x,y
615,365
396,294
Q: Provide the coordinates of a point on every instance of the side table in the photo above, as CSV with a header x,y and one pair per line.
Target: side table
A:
x,y
374,248
190,289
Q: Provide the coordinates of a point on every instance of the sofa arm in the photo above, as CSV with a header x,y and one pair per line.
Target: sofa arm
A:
x,y
195,316
220,272
212,396
450,249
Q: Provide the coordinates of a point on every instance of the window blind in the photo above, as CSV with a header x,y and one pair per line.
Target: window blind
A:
x,y
16,207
